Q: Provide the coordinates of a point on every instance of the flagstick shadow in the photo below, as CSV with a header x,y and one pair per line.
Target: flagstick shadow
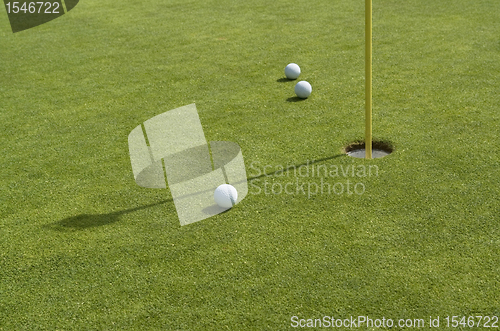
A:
x,y
293,167
85,221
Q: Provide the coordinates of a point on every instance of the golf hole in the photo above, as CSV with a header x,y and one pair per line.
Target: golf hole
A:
x,y
379,149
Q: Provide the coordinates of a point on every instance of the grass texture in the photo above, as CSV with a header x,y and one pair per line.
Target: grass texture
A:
x,y
82,247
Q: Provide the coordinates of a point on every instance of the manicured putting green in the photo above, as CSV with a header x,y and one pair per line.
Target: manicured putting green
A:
x,y
410,235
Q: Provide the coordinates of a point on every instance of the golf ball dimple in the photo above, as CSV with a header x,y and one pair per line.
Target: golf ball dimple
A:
x,y
303,89
292,71
225,196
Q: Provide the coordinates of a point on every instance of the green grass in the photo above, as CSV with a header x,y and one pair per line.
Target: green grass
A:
x,y
82,247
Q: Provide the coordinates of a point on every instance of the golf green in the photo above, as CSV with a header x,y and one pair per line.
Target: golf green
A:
x,y
320,235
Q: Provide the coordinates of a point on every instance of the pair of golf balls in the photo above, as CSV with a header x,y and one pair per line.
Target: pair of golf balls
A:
x,y
303,89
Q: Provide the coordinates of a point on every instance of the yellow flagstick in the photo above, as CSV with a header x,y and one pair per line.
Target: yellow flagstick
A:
x,y
368,79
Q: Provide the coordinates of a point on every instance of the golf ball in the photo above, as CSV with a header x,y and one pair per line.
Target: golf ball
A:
x,y
292,71
303,89
225,196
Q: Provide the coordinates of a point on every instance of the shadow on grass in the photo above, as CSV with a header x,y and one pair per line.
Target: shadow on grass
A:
x,y
295,99
284,80
85,221
291,167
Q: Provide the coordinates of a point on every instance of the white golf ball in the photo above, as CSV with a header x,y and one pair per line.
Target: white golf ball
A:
x,y
225,196
292,71
303,89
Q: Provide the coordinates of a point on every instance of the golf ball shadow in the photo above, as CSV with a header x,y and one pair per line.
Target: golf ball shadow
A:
x,y
295,99
215,209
